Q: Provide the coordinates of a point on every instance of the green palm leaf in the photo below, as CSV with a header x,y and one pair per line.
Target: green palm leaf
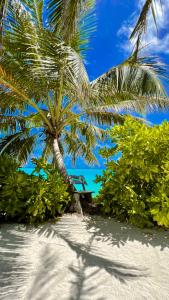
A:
x,y
135,79
141,24
19,145
66,16
11,124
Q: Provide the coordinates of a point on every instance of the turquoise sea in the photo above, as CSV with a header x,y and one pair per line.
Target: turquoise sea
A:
x,y
89,174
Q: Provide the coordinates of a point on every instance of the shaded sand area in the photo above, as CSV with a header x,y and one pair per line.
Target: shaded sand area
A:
x,y
88,258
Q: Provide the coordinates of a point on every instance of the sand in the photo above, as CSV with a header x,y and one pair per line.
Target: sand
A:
x,y
88,258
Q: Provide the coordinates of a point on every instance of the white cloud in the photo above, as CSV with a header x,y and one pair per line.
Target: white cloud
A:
x,y
156,42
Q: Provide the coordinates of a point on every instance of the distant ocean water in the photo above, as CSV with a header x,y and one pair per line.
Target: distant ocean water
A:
x,y
89,174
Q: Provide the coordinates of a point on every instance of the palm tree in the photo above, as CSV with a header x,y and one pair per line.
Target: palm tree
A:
x,y
44,83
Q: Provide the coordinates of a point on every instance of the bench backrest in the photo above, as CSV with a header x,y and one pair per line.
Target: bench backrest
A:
x,y
78,180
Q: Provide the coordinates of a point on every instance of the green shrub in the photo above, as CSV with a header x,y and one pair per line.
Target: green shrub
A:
x,y
7,167
52,198
136,187
30,198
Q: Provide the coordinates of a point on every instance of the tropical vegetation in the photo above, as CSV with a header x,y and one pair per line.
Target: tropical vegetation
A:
x,y
46,97
135,188
29,198
48,101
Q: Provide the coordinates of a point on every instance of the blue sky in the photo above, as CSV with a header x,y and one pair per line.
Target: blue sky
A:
x,y
106,48
110,44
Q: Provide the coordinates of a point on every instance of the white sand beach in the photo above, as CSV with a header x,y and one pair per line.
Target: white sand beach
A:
x,y
82,259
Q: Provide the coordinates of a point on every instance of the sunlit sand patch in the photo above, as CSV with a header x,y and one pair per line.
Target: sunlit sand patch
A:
x,y
83,258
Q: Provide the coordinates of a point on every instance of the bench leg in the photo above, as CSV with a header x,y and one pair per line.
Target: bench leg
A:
x,y
78,207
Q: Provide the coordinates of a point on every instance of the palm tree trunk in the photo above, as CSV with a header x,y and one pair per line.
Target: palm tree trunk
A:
x,y
62,169
59,159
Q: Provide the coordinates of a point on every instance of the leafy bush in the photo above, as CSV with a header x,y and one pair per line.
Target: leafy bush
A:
x,y
7,167
136,187
30,198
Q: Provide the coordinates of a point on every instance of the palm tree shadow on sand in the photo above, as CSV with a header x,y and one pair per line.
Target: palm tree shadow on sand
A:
x,y
118,234
86,259
120,271
87,264
13,267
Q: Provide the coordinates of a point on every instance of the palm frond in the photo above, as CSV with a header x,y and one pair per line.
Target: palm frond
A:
x,y
9,84
10,103
35,9
76,147
34,120
42,56
87,25
3,10
48,149
132,80
18,145
87,130
103,116
142,105
3,7
141,24
65,16
11,124
80,139
55,9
